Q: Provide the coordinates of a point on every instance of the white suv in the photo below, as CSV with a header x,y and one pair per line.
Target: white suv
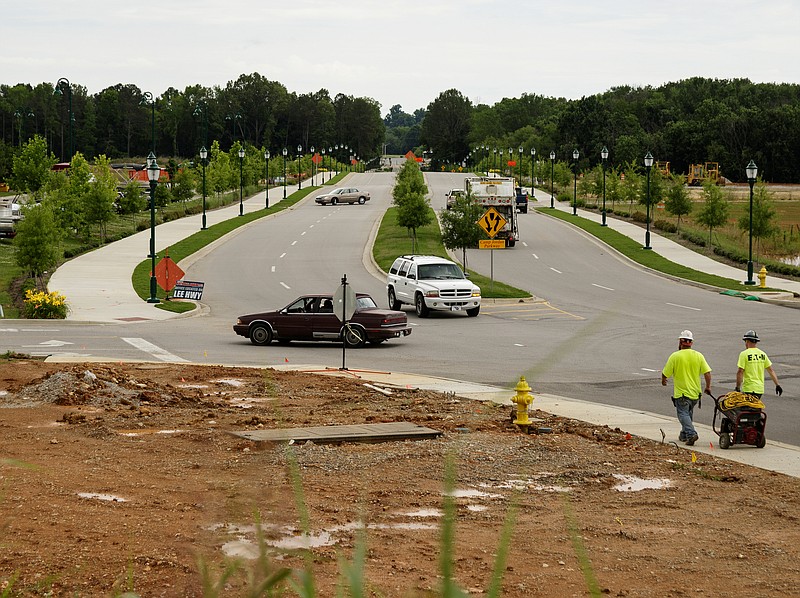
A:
x,y
431,283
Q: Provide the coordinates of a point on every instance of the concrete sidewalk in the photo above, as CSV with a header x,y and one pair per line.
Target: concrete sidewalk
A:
x,y
98,284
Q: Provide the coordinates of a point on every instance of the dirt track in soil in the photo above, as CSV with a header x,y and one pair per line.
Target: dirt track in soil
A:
x,y
122,477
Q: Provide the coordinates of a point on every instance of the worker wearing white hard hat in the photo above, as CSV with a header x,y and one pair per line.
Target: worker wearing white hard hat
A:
x,y
685,366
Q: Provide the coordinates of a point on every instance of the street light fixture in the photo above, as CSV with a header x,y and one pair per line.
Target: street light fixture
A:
x,y
64,82
552,176
203,158
648,163
153,174
313,180
299,179
520,165
533,161
241,180
147,98
752,173
330,163
266,180
575,156
284,152
604,156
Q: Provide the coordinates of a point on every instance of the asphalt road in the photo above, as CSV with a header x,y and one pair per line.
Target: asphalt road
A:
x,y
601,330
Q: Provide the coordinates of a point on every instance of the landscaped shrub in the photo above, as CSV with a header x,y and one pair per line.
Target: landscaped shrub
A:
x,y
45,306
665,225
639,217
694,238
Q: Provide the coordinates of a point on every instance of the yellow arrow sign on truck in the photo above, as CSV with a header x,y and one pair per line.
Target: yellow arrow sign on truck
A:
x,y
492,222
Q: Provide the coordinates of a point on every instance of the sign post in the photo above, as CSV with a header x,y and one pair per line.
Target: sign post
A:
x,y
344,306
492,222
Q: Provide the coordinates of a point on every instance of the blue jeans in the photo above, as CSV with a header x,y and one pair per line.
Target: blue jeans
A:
x,y
685,409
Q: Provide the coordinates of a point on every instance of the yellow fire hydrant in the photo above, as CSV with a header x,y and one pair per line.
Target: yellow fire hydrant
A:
x,y
762,277
523,399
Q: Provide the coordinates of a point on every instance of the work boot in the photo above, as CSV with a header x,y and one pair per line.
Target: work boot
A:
x,y
692,439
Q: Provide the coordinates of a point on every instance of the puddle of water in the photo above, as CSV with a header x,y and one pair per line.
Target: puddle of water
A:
x,y
230,382
147,432
192,385
422,513
528,485
404,526
241,548
472,494
629,483
477,508
108,497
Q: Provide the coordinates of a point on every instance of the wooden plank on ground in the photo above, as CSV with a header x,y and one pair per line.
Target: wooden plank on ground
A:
x,y
349,433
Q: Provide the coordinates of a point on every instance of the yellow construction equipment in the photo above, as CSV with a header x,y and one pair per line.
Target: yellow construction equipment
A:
x,y
700,173
663,167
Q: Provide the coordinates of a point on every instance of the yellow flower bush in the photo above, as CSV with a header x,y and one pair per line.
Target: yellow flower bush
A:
x,y
45,306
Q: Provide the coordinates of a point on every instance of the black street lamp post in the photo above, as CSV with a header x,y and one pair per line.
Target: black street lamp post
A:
x,y
241,181
330,163
604,156
533,161
313,180
752,173
324,153
147,98
284,152
153,174
203,161
648,164
266,180
520,165
575,156
552,176
64,82
299,178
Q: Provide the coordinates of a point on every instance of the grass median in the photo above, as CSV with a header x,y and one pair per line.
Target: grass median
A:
x,y
633,249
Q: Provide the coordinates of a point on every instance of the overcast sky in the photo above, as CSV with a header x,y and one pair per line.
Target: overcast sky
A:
x,y
401,51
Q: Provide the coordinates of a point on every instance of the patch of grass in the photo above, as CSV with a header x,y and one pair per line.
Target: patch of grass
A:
x,y
633,250
393,240
9,271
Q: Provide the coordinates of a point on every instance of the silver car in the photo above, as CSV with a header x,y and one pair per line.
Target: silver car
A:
x,y
349,195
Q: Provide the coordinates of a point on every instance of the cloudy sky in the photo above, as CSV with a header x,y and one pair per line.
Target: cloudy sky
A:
x,y
401,51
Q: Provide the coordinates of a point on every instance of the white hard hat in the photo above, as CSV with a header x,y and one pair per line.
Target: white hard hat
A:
x,y
750,335
687,334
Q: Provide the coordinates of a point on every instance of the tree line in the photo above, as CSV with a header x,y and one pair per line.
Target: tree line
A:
x,y
124,121
692,121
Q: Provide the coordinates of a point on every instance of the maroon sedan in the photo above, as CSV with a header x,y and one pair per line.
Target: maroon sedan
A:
x,y
311,318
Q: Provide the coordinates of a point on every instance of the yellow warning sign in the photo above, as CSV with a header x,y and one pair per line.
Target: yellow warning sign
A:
x,y
491,244
492,222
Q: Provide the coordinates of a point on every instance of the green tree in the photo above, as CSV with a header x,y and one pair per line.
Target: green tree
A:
x,y
37,242
183,186
714,212
446,127
31,167
409,194
678,203
459,225
98,202
132,200
763,214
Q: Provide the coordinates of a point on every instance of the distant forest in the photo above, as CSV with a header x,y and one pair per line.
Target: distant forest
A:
x,y
690,121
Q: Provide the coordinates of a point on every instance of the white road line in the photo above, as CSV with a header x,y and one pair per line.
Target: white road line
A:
x,y
599,286
294,243
518,345
649,370
684,306
285,286
304,232
273,268
524,244
535,256
283,254
153,350
556,271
